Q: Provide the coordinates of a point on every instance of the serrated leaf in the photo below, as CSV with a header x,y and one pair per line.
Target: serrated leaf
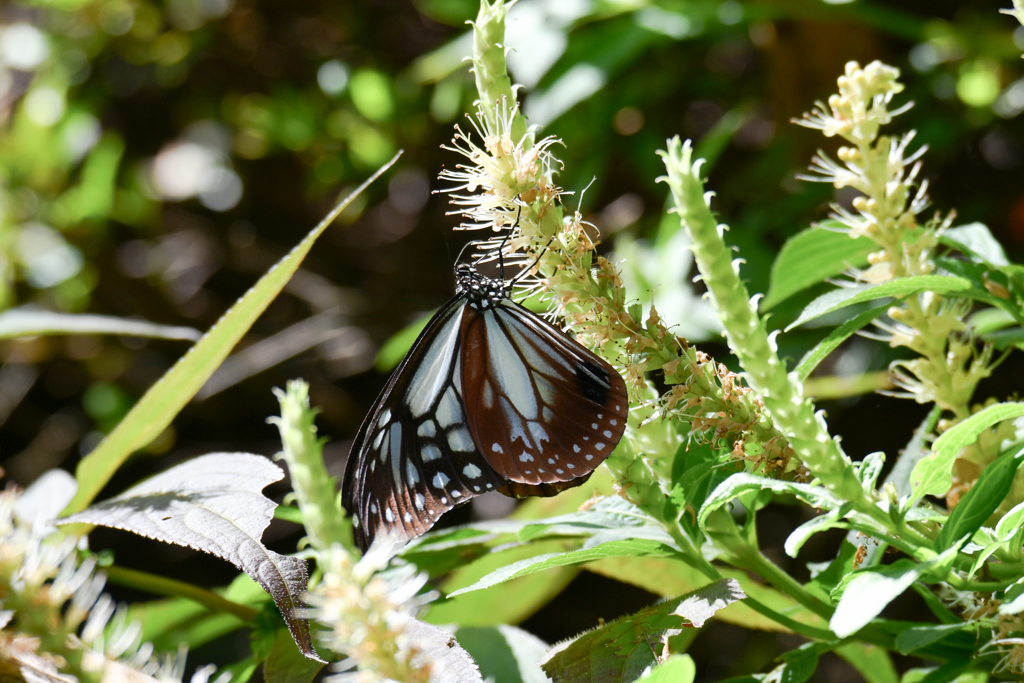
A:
x,y
21,322
438,649
214,503
921,636
165,399
981,500
811,256
933,474
743,482
820,352
623,649
505,653
676,669
898,288
625,547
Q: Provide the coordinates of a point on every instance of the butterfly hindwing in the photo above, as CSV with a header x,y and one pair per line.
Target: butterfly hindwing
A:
x,y
414,458
542,409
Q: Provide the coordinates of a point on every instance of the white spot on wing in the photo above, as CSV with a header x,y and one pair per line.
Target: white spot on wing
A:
x,y
456,494
448,410
607,434
496,448
412,473
471,471
389,515
525,457
420,501
461,440
430,452
427,429
538,433
407,517
385,417
373,508
575,448
376,439
599,446
440,480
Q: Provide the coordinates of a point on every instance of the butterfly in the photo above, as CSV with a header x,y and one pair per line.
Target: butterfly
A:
x,y
490,397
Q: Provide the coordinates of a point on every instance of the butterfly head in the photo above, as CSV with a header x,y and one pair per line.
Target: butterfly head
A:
x,y
481,291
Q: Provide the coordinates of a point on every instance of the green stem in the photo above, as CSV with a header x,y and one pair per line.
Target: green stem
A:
x,y
151,583
795,626
773,574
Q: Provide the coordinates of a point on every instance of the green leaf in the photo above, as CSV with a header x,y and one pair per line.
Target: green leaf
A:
x,y
395,348
933,474
19,322
492,607
975,239
666,577
1010,522
900,287
626,547
830,343
981,501
743,482
621,650
921,636
871,661
676,669
811,256
165,399
826,579
830,520
801,663
285,664
868,591
865,593
505,653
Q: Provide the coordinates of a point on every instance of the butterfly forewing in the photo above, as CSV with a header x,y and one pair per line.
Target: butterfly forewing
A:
x,y
542,409
414,457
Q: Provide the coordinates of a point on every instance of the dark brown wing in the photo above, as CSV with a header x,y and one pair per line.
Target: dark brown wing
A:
x,y
542,409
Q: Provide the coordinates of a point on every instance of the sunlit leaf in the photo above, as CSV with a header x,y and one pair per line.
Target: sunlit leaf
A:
x,y
505,653
629,548
933,474
982,500
830,343
900,287
214,503
810,257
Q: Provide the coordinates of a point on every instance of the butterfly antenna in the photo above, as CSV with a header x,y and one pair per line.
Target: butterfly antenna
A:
x,y
526,271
